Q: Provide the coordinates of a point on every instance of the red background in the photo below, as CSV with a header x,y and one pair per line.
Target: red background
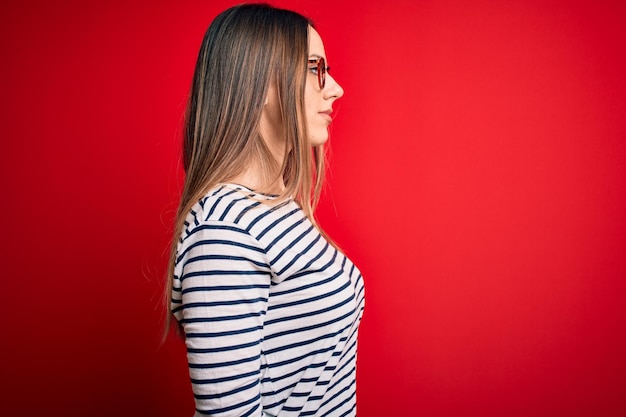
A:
x,y
478,179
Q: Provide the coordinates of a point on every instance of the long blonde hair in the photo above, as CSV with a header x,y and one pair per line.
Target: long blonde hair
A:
x,y
245,48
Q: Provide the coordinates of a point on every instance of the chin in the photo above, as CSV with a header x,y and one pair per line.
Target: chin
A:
x,y
318,140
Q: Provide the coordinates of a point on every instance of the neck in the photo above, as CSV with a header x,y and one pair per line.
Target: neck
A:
x,y
256,178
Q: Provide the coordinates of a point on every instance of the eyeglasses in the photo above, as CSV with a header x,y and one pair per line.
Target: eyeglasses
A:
x,y
320,70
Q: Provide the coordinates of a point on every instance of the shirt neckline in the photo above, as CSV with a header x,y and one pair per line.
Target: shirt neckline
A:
x,y
242,187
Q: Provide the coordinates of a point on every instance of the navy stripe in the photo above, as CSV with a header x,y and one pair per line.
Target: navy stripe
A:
x,y
311,327
306,270
219,303
282,329
222,334
222,318
307,286
224,258
232,407
299,358
218,242
216,202
225,394
219,273
337,394
277,378
223,379
223,364
309,300
310,313
252,410
195,218
304,343
226,287
281,236
299,255
246,210
269,212
348,375
223,348
256,220
229,207
277,221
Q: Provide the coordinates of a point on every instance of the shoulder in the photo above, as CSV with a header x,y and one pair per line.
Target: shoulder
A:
x,y
237,207
233,219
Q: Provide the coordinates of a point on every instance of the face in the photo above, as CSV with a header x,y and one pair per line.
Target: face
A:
x,y
318,101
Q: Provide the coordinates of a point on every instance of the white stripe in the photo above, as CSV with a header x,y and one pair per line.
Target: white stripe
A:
x,y
270,308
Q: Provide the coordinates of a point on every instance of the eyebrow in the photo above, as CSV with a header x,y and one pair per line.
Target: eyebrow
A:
x,y
315,56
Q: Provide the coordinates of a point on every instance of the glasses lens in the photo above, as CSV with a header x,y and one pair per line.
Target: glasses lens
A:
x,y
321,72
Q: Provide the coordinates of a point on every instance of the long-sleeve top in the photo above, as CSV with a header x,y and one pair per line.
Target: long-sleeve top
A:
x,y
270,310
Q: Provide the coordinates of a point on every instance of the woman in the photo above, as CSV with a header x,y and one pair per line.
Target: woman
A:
x,y
269,307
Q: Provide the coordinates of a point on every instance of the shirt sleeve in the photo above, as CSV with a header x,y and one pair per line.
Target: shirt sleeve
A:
x,y
220,294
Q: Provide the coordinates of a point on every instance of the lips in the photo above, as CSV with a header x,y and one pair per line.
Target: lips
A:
x,y
326,114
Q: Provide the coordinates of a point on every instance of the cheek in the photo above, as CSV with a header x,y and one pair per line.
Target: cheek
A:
x,y
312,96
309,102
311,114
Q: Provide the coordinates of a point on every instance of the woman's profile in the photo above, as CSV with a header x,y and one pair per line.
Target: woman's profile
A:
x,y
268,305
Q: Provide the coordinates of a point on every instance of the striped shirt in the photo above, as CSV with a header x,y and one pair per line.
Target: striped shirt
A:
x,y
270,310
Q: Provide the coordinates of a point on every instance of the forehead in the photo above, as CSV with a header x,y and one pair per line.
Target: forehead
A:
x,y
316,46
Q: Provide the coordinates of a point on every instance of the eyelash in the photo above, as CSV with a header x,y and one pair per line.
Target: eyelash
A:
x,y
314,70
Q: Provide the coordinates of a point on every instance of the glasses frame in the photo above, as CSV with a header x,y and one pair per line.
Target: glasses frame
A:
x,y
322,69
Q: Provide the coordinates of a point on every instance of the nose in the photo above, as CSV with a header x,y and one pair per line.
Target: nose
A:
x,y
332,89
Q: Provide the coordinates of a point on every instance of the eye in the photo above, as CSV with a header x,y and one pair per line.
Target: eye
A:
x,y
313,69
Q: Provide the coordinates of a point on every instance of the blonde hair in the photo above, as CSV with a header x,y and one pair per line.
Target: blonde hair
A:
x,y
245,48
